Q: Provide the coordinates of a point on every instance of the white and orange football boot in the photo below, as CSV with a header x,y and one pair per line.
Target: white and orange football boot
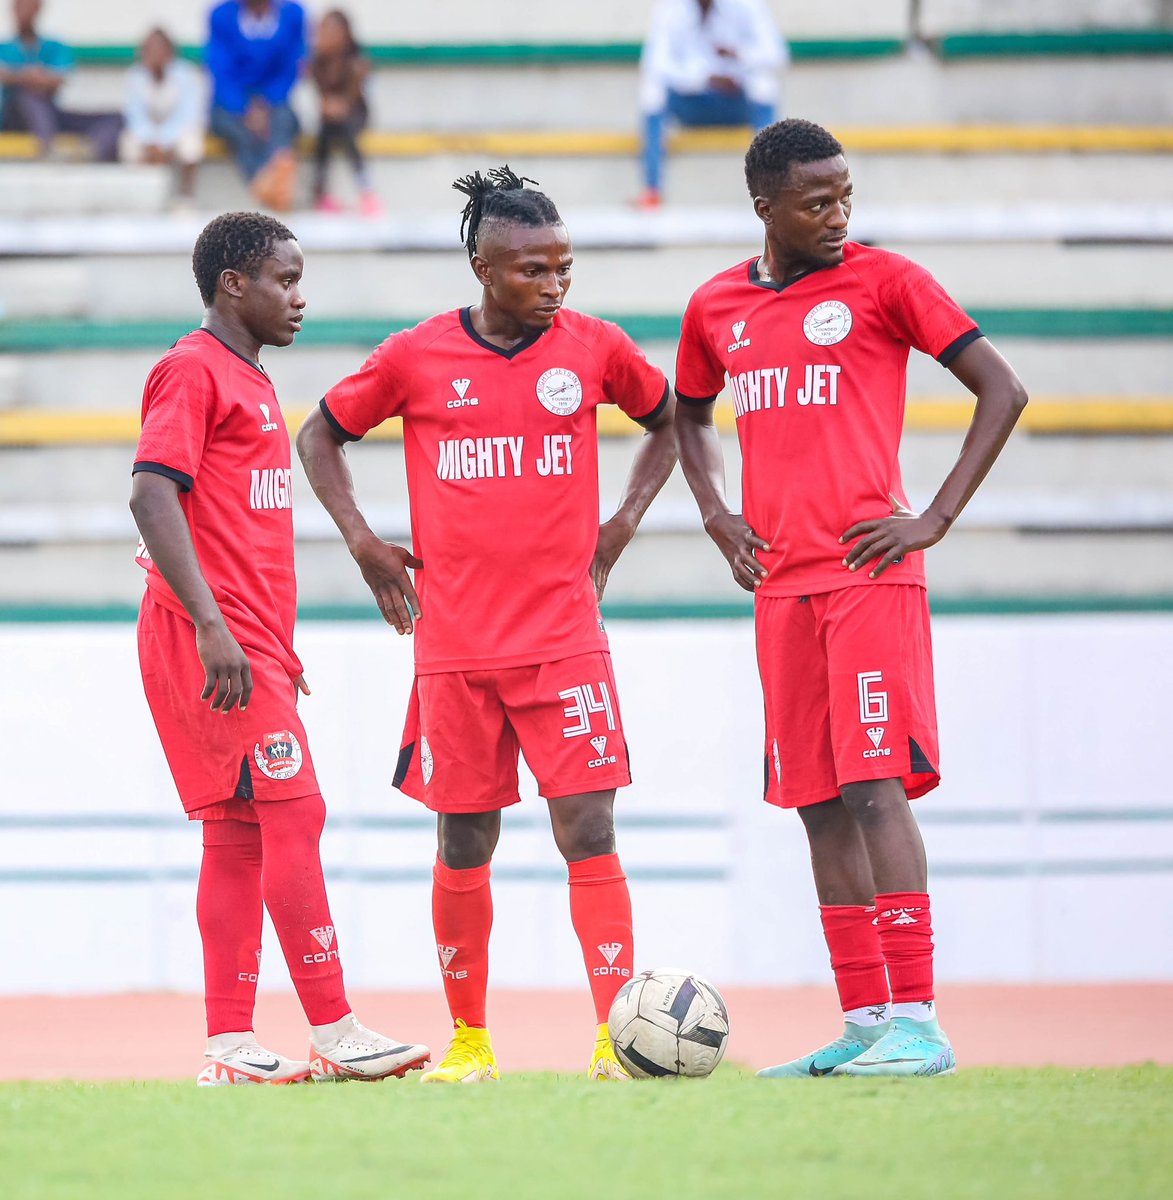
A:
x,y
245,1062
348,1050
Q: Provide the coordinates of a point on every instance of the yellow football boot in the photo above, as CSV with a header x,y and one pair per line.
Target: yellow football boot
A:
x,y
604,1064
468,1059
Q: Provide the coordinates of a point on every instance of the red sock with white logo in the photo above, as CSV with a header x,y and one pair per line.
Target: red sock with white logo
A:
x,y
905,926
856,956
228,909
600,908
462,916
295,895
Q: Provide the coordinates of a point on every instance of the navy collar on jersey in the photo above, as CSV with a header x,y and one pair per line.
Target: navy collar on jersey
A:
x,y
758,281
524,344
256,366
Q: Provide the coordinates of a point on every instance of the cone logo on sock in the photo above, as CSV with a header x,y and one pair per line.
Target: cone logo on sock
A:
x,y
610,951
324,935
447,953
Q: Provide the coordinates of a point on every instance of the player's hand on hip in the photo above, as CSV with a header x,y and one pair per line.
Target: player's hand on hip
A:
x,y
885,541
228,678
614,536
300,684
384,567
740,545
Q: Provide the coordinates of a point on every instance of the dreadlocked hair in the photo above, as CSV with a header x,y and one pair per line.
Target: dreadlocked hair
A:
x,y
501,195
778,146
235,241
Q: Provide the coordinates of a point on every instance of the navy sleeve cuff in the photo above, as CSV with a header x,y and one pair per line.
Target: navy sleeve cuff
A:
x,y
955,348
185,481
694,401
343,435
648,418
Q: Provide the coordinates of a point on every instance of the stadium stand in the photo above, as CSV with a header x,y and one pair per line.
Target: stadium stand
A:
x,y
1027,165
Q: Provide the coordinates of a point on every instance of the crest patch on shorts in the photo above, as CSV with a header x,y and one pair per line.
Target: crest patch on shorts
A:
x,y
278,754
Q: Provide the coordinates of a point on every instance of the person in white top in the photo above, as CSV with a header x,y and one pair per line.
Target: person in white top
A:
x,y
706,62
165,112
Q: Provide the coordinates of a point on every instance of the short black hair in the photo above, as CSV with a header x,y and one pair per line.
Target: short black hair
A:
x,y
778,146
501,196
235,241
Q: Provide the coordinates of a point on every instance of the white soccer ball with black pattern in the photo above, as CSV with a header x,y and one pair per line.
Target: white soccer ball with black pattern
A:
x,y
669,1022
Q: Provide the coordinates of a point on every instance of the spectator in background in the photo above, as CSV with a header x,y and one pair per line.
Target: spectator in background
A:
x,y
32,70
165,112
254,53
706,62
339,69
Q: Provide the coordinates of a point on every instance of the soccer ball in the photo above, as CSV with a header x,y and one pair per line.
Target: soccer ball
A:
x,y
669,1022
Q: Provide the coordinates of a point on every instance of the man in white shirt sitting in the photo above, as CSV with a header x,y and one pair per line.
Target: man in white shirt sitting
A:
x,y
706,62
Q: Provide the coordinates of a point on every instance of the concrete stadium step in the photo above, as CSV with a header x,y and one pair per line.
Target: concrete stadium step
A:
x,y
345,284
662,567
704,169
575,95
111,381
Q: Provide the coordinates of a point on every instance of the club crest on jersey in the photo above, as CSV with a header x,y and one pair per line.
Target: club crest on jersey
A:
x,y
268,425
427,763
278,755
560,391
738,343
827,323
463,399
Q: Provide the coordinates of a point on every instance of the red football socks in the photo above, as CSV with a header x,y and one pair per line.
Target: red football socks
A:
x,y
905,926
600,908
295,895
856,957
228,909
462,916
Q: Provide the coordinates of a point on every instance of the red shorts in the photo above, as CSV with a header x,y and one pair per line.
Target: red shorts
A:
x,y
464,730
221,763
848,683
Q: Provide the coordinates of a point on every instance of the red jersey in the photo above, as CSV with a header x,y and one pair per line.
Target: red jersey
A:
x,y
502,473
816,369
211,422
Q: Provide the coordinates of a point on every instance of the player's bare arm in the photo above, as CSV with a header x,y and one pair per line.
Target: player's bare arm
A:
x,y
154,501
699,448
1001,398
653,463
383,564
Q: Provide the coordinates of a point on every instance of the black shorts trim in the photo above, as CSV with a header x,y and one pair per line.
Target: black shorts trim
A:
x,y
185,481
341,432
403,765
955,348
647,418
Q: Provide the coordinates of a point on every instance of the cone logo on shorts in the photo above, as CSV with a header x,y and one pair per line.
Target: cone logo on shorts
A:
x,y
600,744
876,733
610,951
447,954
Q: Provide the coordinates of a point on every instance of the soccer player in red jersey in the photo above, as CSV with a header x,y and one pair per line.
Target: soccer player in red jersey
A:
x,y
498,404
813,337
212,496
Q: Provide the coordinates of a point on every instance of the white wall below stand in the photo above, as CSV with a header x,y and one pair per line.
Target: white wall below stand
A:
x,y
1050,841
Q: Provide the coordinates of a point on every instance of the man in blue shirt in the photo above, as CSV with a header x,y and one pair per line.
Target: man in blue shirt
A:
x,y
32,70
254,52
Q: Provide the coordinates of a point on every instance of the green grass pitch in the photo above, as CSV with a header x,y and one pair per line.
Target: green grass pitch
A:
x,y
1052,1133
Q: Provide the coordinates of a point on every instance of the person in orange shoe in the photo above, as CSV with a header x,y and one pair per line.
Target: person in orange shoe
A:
x,y
254,53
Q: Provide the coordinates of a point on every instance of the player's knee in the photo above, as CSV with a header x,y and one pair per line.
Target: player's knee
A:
x,y
874,801
586,833
467,840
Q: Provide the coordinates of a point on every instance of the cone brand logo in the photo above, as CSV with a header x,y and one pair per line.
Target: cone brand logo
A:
x,y
463,400
251,976
876,734
611,951
278,755
447,954
269,425
738,342
604,759
324,936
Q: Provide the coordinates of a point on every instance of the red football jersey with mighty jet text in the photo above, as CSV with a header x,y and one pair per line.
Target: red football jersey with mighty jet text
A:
x,y
503,477
211,422
817,370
